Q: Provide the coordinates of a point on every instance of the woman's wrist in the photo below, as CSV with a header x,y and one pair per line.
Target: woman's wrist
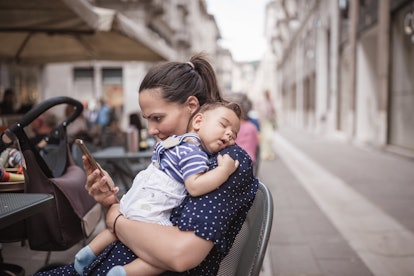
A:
x,y
111,215
115,221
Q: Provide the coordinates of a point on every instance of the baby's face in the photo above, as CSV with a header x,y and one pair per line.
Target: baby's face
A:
x,y
218,128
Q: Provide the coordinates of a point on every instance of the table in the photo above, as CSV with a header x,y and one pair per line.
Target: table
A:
x,y
118,153
15,207
18,206
121,165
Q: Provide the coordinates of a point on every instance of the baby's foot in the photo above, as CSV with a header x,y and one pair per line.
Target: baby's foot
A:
x,y
83,258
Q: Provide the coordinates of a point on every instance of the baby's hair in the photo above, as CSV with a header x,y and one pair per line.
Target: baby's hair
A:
x,y
230,105
211,106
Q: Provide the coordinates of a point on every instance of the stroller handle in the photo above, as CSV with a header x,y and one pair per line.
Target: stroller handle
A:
x,y
44,106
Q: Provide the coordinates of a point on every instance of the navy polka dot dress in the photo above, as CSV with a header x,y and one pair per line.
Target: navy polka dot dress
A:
x,y
217,216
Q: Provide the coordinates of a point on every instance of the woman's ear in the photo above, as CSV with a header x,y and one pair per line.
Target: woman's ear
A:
x,y
192,104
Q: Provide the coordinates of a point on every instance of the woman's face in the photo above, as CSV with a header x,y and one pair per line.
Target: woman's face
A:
x,y
165,118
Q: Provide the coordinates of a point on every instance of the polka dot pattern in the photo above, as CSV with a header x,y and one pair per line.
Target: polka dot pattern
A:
x,y
217,216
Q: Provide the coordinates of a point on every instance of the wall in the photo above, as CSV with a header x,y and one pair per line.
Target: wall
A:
x,y
401,112
367,124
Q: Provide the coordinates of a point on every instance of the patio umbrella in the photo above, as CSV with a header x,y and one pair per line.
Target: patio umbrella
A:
x,y
45,31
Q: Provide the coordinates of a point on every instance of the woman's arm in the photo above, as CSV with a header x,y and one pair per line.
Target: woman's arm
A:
x,y
163,246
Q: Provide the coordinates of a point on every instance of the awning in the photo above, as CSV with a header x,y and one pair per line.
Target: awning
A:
x,y
45,31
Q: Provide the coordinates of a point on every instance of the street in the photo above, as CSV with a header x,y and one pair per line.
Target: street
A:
x,y
339,209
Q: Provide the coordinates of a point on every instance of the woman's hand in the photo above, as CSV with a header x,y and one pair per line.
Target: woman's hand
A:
x,y
97,185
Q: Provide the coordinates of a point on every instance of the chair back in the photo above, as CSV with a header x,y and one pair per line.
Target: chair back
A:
x,y
249,248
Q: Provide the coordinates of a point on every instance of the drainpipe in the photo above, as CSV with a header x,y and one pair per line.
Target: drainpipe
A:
x,y
353,36
383,69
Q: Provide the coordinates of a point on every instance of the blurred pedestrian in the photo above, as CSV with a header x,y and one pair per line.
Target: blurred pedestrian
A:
x,y
135,121
253,117
267,127
248,136
8,105
104,114
107,129
42,127
78,128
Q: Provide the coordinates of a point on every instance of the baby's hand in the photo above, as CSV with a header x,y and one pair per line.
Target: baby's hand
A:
x,y
228,163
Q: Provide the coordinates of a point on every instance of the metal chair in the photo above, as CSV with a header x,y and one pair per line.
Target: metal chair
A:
x,y
249,248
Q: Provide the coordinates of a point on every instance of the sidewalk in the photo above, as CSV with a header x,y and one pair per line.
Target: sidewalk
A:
x,y
339,209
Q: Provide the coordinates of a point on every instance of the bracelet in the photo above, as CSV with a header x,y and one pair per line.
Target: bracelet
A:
x,y
117,217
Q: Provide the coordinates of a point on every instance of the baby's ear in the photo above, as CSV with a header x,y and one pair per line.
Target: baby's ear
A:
x,y
197,119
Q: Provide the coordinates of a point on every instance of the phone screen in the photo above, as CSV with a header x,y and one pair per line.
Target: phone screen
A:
x,y
91,160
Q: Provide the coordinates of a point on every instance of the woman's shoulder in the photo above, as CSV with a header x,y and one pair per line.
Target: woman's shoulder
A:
x,y
234,151
238,153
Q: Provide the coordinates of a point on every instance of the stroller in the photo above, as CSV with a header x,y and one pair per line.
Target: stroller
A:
x,y
74,214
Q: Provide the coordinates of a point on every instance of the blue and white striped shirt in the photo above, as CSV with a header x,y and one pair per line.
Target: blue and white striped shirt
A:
x,y
182,159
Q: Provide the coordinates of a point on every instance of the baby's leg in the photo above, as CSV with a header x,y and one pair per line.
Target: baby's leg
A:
x,y
88,254
135,268
101,241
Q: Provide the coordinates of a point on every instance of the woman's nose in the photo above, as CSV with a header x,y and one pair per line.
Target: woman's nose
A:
x,y
152,130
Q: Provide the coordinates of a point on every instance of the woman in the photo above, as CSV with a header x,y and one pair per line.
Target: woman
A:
x,y
204,227
8,105
248,136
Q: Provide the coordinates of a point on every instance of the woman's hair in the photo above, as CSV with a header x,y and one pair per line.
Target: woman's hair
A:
x,y
180,80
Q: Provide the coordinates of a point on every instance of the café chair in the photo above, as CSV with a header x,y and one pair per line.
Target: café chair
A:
x,y
249,248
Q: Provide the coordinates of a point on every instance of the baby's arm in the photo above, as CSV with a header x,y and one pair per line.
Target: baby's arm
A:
x,y
101,241
203,183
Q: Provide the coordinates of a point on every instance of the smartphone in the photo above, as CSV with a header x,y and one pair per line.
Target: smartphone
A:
x,y
91,160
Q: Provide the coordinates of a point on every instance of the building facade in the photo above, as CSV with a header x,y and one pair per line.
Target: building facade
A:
x,y
184,25
345,68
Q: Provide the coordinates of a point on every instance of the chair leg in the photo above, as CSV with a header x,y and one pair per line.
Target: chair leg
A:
x,y
49,253
1,253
